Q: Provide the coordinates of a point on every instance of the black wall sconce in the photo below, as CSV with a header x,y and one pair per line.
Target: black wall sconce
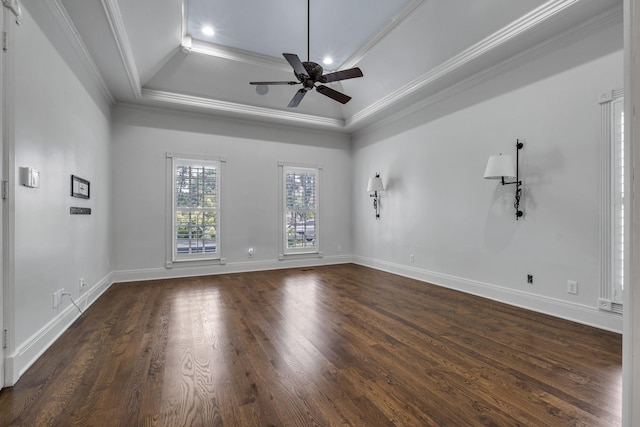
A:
x,y
501,167
375,185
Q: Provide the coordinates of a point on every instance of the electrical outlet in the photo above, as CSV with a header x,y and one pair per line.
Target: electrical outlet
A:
x,y
250,252
530,279
57,297
411,258
82,284
572,287
339,248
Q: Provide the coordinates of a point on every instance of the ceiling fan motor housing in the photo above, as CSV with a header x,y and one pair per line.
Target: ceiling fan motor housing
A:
x,y
314,70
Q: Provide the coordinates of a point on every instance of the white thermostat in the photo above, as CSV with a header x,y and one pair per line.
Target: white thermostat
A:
x,y
29,177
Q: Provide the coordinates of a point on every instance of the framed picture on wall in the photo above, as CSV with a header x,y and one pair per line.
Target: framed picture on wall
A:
x,y
80,187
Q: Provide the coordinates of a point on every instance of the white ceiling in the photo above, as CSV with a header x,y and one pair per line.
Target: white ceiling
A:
x,y
338,28
411,52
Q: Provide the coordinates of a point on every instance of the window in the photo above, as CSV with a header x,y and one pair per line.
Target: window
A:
x,y
618,198
613,179
195,230
300,209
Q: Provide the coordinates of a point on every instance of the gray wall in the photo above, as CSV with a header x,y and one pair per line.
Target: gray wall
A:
x,y
250,185
460,228
60,130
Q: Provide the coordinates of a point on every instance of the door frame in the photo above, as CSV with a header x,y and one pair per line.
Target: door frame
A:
x,y
10,19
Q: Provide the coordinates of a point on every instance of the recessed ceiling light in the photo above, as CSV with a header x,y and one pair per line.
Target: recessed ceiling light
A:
x,y
327,60
207,30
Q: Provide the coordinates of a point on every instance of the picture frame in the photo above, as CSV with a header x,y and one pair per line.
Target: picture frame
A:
x,y
80,187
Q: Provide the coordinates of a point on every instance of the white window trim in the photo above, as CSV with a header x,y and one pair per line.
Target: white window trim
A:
x,y
302,253
610,297
171,259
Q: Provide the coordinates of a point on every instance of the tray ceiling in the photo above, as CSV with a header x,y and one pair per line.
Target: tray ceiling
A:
x,y
152,52
338,28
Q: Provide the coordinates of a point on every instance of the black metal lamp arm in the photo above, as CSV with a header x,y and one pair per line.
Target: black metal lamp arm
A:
x,y
375,203
517,182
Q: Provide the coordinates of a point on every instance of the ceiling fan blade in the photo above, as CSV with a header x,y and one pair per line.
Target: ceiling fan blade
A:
x,y
274,83
333,94
296,64
297,98
351,73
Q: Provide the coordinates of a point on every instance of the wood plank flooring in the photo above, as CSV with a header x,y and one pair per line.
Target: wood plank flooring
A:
x,y
322,346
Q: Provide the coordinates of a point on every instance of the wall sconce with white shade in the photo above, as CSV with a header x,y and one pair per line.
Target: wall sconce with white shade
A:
x,y
375,185
500,167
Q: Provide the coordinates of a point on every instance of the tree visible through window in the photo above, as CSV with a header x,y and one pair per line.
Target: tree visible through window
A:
x,y
196,208
300,209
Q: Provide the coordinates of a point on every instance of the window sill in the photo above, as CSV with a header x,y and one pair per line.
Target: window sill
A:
x,y
300,255
195,262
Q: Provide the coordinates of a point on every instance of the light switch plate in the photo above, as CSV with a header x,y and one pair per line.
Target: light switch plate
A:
x,y
29,177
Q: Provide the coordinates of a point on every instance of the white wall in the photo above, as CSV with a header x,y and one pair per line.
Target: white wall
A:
x,y
59,130
462,229
249,205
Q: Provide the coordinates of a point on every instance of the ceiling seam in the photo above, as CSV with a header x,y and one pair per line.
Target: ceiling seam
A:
x,y
238,55
69,29
397,20
122,42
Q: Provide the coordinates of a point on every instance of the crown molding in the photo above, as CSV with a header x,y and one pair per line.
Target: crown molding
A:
x,y
502,36
64,21
233,54
225,107
431,81
122,42
395,21
427,81
591,26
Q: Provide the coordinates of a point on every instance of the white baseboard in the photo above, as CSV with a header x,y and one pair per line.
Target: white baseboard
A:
x,y
579,313
28,352
186,270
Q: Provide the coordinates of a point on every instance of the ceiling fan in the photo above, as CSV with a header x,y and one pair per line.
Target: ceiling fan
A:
x,y
309,73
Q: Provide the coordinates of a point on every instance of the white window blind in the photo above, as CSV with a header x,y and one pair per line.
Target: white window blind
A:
x,y
618,199
300,209
613,230
196,207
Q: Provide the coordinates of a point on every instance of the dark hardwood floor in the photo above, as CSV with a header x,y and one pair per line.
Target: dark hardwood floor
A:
x,y
336,345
